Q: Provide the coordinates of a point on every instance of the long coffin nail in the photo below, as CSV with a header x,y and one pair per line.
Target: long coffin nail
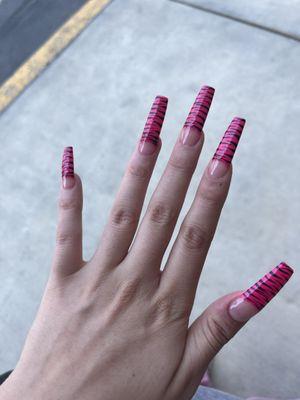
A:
x,y
192,128
150,137
257,296
227,147
67,168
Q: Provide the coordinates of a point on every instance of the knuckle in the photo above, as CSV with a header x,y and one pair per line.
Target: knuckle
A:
x,y
63,238
69,204
195,237
161,214
216,335
213,194
165,310
138,171
163,307
181,163
123,217
127,292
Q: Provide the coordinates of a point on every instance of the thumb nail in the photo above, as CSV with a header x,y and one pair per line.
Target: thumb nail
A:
x,y
258,296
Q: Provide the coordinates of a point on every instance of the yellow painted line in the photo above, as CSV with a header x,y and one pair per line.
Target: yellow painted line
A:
x,y
49,51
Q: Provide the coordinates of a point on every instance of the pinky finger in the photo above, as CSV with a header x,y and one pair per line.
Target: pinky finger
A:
x,y
68,250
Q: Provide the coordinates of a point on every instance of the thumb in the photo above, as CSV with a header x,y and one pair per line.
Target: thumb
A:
x,y
221,321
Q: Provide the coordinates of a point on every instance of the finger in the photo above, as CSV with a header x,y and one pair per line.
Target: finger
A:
x,y
195,235
158,224
68,250
220,322
124,217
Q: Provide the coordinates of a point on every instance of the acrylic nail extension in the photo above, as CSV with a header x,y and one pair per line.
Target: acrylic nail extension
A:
x,y
227,147
258,296
194,123
67,168
150,137
230,140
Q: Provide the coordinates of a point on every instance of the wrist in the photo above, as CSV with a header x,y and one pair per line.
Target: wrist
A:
x,y
16,387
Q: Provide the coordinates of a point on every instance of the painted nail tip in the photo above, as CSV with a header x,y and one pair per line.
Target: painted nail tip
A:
x,y
239,118
200,108
266,288
67,169
150,136
162,98
207,87
68,149
240,121
230,141
257,296
287,266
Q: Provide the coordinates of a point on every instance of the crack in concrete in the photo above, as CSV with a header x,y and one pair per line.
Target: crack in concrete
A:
x,y
240,20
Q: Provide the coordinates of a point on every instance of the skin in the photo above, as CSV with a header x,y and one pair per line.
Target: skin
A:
x,y
116,326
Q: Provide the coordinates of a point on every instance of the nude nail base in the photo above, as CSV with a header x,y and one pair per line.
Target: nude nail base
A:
x,y
190,136
218,168
68,182
242,310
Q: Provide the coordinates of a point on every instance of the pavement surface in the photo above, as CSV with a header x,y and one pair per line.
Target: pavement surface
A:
x,y
96,96
275,15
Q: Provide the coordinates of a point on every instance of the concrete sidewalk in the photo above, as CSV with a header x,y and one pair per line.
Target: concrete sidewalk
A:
x,y
96,96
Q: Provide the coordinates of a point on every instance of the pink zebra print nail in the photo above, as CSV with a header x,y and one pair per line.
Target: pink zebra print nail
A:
x,y
266,288
258,296
200,108
194,123
150,136
222,158
67,168
230,140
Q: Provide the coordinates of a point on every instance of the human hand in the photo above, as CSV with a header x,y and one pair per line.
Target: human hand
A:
x,y
117,327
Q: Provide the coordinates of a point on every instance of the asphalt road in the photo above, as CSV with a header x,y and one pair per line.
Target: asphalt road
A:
x,y
25,25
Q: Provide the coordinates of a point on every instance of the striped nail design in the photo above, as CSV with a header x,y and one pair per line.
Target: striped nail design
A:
x,y
257,296
230,140
200,108
67,169
267,287
155,120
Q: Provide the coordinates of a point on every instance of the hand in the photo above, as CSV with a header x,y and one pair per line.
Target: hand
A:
x,y
117,327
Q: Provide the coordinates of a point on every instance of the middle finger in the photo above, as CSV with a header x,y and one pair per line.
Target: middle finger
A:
x,y
159,221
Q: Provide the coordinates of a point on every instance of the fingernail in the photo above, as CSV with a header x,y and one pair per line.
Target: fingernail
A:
x,y
150,137
257,296
67,169
227,147
192,128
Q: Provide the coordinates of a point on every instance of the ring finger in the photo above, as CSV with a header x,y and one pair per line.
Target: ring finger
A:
x,y
189,251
